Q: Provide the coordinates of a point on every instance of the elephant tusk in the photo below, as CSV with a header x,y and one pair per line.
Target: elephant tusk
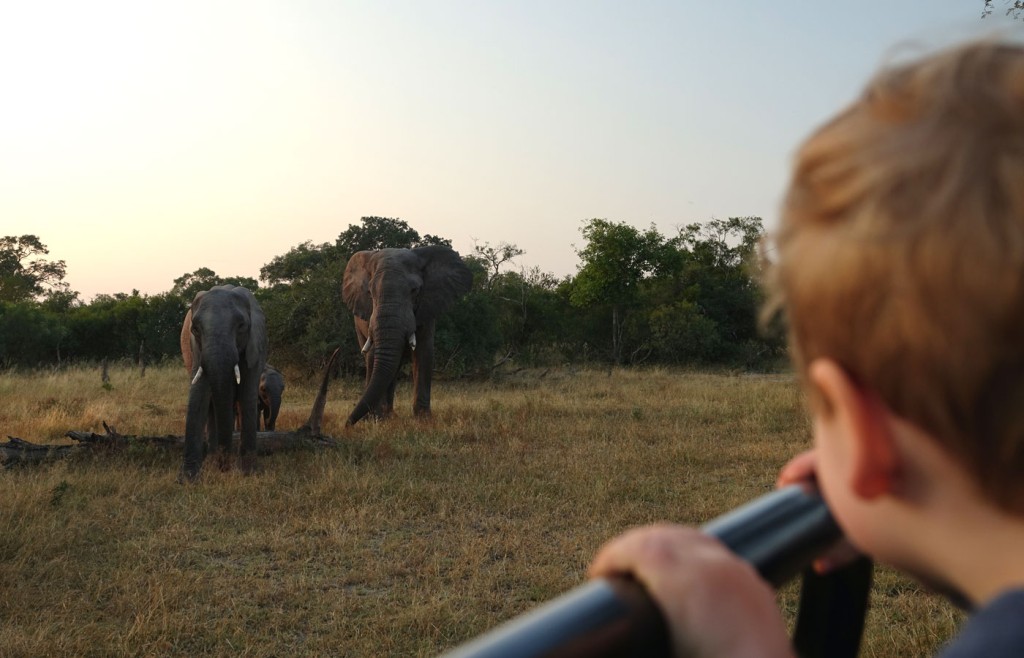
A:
x,y
412,340
238,375
366,346
199,373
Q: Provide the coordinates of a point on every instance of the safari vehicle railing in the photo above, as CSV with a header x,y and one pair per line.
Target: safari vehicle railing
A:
x,y
780,534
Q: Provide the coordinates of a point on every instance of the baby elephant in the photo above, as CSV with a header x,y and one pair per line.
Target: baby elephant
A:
x,y
269,402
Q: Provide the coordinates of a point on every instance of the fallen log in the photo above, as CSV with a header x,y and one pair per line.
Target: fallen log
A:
x,y
21,452
18,452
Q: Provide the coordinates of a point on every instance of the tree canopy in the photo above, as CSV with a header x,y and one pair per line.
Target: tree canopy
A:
x,y
24,277
187,285
638,296
614,262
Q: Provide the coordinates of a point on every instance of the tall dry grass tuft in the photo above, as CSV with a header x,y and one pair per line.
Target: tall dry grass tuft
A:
x,y
409,538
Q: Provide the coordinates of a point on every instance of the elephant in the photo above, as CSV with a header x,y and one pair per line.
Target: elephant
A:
x,y
396,296
271,390
224,345
271,386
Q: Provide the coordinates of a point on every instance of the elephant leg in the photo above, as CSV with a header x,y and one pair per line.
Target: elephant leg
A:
x,y
270,415
263,415
195,419
422,369
362,335
248,397
211,430
224,413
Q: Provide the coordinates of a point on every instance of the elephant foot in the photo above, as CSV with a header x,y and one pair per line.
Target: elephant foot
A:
x,y
247,465
188,475
223,460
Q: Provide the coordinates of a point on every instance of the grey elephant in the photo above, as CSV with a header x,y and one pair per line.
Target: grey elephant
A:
x,y
226,353
396,296
271,391
271,386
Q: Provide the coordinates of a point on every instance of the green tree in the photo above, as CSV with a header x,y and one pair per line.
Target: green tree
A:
x,y
615,260
682,334
704,309
306,319
383,233
24,277
160,327
467,336
30,335
187,285
493,258
538,323
300,264
720,264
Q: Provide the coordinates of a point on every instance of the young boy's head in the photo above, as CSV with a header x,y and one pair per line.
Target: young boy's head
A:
x,y
900,254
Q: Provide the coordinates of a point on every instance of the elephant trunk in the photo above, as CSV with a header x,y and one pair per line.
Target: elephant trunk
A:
x,y
213,391
221,370
388,344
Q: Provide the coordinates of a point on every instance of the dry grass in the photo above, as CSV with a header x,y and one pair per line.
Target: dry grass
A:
x,y
407,540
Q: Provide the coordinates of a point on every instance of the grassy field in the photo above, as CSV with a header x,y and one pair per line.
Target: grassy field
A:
x,y
408,539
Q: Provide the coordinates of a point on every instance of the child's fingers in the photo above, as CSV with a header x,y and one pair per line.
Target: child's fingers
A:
x,y
841,555
657,546
801,468
714,603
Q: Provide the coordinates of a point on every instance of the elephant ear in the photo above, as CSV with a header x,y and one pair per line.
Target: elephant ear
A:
x,y
256,347
445,279
195,303
186,333
186,341
355,284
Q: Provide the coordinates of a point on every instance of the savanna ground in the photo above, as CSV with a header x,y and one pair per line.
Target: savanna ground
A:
x,y
407,540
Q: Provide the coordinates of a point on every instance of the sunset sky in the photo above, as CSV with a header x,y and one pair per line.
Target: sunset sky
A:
x,y
144,140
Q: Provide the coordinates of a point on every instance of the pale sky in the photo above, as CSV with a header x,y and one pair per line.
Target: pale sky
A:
x,y
144,140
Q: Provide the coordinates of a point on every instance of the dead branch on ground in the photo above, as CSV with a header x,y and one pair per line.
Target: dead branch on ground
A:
x,y
18,451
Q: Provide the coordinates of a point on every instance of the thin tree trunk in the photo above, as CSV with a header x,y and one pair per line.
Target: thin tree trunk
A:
x,y
616,335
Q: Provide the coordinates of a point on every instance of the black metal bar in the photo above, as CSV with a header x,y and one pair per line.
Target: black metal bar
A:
x,y
832,611
779,533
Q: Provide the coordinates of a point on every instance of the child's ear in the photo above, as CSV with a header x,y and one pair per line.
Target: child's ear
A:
x,y
862,419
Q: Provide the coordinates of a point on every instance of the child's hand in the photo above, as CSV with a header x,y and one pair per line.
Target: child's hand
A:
x,y
714,603
803,468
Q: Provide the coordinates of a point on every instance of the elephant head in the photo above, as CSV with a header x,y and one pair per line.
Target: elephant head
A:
x,y
227,353
271,390
396,296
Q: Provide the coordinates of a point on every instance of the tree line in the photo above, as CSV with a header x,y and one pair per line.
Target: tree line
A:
x,y
638,297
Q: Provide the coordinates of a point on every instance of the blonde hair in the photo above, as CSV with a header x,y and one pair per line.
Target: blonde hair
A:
x,y
900,253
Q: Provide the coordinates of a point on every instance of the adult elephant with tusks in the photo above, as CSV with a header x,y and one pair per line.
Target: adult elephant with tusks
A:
x,y
396,296
227,341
